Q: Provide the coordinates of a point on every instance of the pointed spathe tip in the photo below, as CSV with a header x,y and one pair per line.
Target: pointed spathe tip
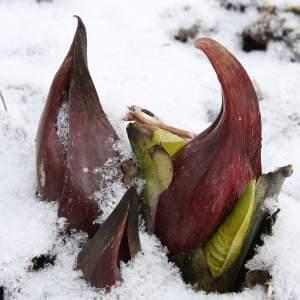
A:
x,y
80,27
79,21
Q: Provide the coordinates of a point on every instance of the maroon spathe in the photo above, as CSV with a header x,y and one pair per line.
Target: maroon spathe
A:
x,y
213,170
61,171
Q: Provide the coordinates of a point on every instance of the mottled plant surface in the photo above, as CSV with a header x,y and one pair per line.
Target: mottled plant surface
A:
x,y
133,59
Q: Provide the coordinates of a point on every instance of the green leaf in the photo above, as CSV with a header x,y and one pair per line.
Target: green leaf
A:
x,y
155,166
162,167
170,142
224,247
157,169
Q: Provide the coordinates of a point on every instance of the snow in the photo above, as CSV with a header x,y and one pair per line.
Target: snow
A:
x,y
279,248
62,123
133,59
111,188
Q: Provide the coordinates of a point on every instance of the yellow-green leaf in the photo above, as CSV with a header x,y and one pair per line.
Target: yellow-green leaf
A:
x,y
155,166
170,142
225,245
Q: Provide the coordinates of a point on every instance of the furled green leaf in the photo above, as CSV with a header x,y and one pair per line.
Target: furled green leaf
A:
x,y
225,246
155,166
170,142
158,172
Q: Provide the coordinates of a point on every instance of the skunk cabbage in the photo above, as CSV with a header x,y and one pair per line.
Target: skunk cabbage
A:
x,y
69,159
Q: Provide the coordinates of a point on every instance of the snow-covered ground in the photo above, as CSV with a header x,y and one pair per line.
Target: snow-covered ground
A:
x,y
133,59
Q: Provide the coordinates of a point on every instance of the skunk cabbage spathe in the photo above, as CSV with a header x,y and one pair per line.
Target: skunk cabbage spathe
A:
x,y
117,239
69,165
213,170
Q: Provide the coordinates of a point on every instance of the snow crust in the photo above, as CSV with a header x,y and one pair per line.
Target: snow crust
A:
x,y
133,59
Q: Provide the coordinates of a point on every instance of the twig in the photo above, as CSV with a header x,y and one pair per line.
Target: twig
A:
x,y
3,101
146,117
146,111
293,9
270,291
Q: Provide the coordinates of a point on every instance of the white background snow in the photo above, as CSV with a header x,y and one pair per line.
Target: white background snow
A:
x,y
133,59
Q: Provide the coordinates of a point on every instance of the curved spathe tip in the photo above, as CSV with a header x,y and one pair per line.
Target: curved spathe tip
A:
x,y
241,108
213,170
80,24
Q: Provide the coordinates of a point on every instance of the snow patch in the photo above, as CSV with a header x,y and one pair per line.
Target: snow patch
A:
x,y
62,124
111,188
